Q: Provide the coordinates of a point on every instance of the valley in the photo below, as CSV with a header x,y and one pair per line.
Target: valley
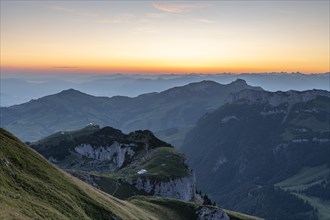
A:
x,y
311,184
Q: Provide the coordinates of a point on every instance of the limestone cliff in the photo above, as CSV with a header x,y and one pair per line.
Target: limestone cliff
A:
x,y
115,152
182,188
211,213
112,161
275,98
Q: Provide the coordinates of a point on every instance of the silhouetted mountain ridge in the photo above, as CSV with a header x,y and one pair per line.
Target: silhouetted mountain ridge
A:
x,y
37,86
71,109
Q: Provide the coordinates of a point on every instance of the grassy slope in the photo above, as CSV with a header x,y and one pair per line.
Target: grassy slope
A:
x,y
239,216
304,179
166,208
307,176
64,135
174,136
31,188
166,162
170,208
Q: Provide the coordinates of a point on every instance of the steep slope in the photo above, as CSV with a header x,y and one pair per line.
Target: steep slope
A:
x,y
71,109
121,164
248,153
32,188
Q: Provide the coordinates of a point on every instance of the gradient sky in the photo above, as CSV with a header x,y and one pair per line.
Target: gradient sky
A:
x,y
165,37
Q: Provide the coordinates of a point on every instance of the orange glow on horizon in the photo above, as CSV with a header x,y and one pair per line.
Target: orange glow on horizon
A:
x,y
62,69
113,37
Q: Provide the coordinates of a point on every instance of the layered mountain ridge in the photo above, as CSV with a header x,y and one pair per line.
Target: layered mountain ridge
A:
x,y
275,98
178,107
264,152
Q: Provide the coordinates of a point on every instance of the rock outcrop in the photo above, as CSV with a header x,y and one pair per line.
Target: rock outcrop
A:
x,y
182,188
211,213
115,152
275,98
110,159
179,188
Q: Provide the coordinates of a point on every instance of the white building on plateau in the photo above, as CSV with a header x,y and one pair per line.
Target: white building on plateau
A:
x,y
143,171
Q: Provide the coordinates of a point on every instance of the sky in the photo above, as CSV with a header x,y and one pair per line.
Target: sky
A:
x,y
165,36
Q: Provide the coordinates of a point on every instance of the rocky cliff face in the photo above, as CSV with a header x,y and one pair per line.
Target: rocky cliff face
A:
x,y
275,98
111,161
118,154
178,188
115,152
211,213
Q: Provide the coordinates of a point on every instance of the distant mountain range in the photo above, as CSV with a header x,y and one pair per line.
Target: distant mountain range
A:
x,y
266,153
178,107
33,86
